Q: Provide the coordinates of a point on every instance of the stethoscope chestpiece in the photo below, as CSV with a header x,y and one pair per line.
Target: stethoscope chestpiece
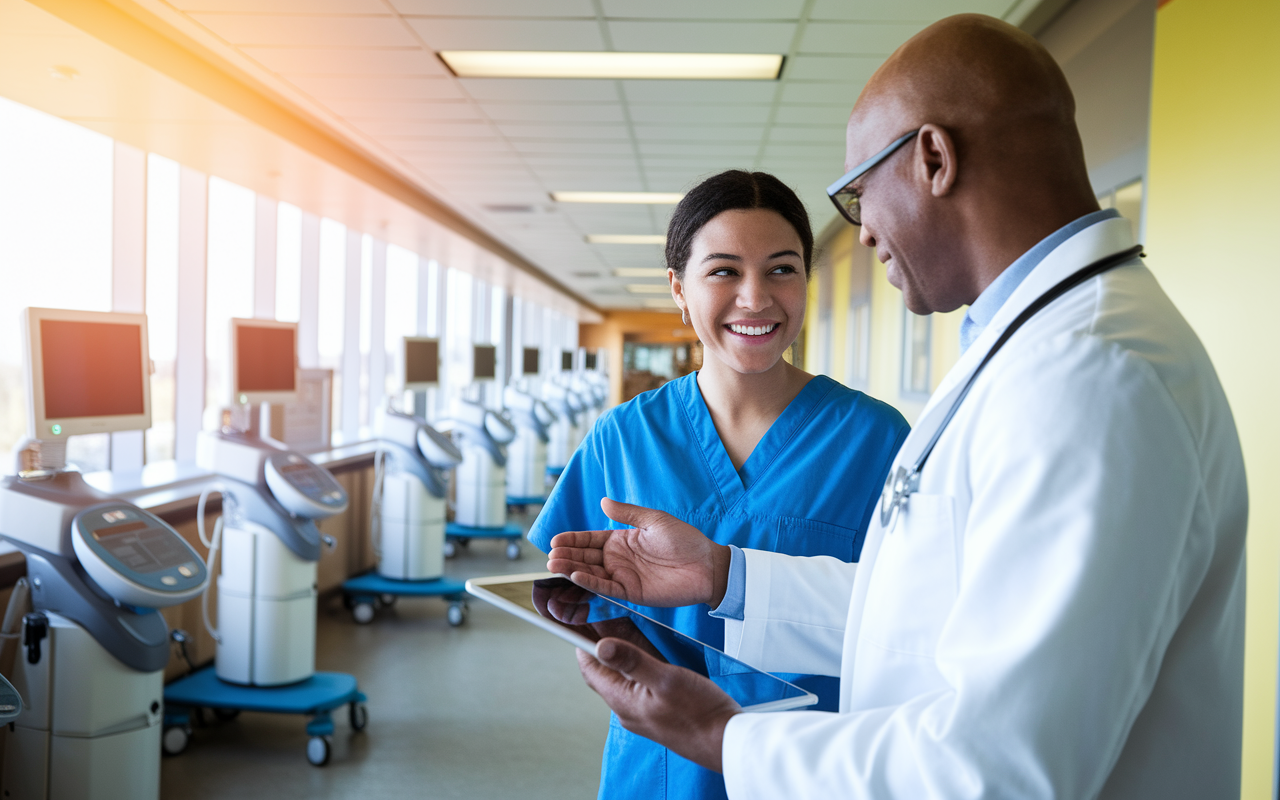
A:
x,y
898,488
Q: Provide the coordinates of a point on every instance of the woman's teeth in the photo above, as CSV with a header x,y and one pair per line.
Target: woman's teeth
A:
x,y
753,330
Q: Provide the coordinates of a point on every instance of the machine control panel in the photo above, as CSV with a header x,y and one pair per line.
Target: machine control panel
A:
x,y
304,488
136,557
438,449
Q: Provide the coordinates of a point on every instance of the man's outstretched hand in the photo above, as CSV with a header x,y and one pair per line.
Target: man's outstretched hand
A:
x,y
658,561
675,707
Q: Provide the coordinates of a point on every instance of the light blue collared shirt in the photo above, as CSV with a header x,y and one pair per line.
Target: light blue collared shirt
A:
x,y
988,304
980,314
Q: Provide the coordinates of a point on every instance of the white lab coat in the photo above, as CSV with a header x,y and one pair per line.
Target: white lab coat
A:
x,y
1059,612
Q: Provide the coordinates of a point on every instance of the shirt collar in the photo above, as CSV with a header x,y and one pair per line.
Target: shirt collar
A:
x,y
994,296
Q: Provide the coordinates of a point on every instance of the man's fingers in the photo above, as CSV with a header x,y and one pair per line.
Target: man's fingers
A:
x,y
584,555
632,662
592,582
584,539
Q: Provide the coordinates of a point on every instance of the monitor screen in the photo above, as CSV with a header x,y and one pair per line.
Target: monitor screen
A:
x,y
486,362
266,359
530,361
566,360
92,369
591,360
421,361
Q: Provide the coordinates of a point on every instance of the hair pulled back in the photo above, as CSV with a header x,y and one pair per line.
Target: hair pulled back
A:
x,y
730,191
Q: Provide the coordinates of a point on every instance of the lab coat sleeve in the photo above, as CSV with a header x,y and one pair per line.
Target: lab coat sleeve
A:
x,y
794,615
1080,554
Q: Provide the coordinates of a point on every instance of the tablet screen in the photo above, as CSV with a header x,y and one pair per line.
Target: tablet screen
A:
x,y
593,617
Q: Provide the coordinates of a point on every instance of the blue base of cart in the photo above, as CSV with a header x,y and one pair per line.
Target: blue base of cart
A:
x,y
316,697
532,500
457,536
365,594
554,472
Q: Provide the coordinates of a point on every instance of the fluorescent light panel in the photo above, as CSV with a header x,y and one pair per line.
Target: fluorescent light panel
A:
x,y
659,66
640,272
634,198
657,302
648,288
626,238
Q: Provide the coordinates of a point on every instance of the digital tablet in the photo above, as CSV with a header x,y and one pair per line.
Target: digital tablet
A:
x,y
583,618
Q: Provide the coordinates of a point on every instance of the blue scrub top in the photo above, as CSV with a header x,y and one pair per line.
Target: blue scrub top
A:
x,y
807,489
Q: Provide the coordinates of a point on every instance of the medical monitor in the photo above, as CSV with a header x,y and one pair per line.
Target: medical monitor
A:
x,y
566,360
591,361
531,361
87,372
264,361
421,359
485,366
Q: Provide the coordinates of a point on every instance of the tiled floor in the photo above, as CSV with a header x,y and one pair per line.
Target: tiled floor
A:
x,y
493,709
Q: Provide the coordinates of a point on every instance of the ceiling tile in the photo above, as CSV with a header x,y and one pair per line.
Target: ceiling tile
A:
x,y
558,147
796,114
472,145
698,149
308,31
702,37
284,6
405,110
547,90
849,69
508,34
857,38
816,134
496,8
554,112
832,153
397,131
699,91
905,10
705,9
334,62
595,161
821,92
693,133
699,165
516,130
341,88
700,114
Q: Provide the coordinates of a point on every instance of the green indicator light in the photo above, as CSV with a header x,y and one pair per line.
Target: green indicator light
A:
x,y
57,429
244,398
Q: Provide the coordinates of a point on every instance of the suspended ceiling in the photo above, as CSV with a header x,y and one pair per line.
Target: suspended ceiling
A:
x,y
492,149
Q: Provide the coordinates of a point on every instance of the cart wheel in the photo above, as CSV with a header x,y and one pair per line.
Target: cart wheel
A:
x,y
457,614
226,714
175,739
388,600
513,551
348,601
465,541
358,713
450,549
363,613
318,751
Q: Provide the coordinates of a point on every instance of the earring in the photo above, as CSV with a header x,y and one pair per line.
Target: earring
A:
x,y
684,316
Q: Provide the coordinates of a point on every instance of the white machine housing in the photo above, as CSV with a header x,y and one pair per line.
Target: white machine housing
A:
x,y
563,433
481,499
527,453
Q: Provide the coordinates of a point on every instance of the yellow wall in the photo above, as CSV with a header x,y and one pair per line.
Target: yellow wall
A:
x,y
1212,210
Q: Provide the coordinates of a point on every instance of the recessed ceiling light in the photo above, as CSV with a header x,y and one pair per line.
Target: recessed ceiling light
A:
x,y
642,198
660,302
660,66
648,288
640,272
626,238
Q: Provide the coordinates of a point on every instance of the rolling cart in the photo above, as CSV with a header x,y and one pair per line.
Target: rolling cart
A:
x,y
317,696
365,594
457,536
521,502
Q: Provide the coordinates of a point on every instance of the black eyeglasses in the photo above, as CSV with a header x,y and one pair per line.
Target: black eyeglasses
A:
x,y
846,200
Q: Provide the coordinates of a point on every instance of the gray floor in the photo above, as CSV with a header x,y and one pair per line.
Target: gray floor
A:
x,y
493,709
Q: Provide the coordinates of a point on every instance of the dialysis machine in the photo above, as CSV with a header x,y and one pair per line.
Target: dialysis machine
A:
x,y
271,498
481,500
95,647
527,453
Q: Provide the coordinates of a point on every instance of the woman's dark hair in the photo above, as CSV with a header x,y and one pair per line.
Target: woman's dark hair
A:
x,y
729,191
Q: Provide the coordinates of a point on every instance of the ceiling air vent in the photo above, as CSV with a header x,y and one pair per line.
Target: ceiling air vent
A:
x,y
502,208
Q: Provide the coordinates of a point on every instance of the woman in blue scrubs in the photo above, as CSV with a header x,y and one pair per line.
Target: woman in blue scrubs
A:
x,y
750,450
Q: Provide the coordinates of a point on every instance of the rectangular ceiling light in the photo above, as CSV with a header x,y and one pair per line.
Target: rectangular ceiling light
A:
x,y
660,302
640,272
634,198
648,288
626,238
648,66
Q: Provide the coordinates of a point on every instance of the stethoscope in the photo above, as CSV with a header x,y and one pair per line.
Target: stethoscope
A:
x,y
904,482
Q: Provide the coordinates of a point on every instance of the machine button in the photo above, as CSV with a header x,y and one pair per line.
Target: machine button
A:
x,y
186,571
169,580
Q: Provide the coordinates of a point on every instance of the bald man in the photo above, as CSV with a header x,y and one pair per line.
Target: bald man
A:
x,y
1050,602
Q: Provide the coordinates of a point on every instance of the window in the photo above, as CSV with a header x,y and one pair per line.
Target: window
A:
x,y
917,356
55,246
162,302
857,350
457,331
229,285
288,263
401,318
333,280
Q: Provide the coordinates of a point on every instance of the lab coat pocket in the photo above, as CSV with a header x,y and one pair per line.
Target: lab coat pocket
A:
x,y
914,580
797,536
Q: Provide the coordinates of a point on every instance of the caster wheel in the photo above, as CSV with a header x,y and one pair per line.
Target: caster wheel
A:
x,y
387,600
513,551
174,740
348,601
457,614
318,751
226,714
358,714
363,613
450,549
